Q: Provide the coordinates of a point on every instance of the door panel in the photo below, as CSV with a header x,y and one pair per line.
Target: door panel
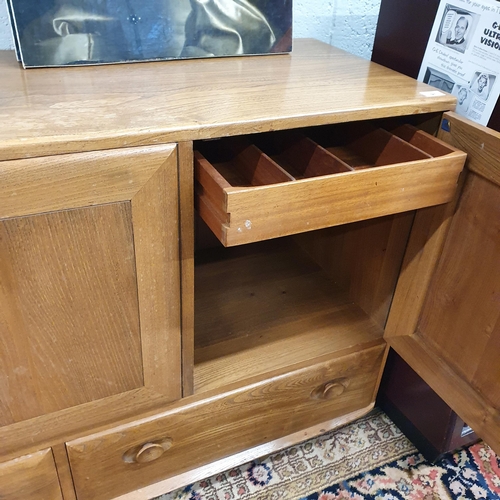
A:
x,y
453,338
463,302
89,280
69,282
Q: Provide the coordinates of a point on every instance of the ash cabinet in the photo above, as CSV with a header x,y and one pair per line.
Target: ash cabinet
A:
x,y
164,307
300,236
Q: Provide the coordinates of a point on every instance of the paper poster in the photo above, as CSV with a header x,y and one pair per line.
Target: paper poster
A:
x,y
463,55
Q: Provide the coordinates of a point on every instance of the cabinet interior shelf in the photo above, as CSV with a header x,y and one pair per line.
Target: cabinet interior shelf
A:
x,y
265,307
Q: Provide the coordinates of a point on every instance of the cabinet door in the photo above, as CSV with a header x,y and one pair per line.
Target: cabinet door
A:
x,y
445,318
32,476
89,286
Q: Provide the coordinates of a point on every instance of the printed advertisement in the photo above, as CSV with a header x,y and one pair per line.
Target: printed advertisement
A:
x,y
463,55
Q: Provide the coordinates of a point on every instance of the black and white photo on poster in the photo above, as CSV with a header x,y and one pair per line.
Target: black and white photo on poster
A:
x,y
463,55
456,28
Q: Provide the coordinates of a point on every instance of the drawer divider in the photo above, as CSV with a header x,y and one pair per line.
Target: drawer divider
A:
x,y
301,156
423,141
256,166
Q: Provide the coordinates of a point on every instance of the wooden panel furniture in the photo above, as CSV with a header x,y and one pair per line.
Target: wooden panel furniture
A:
x,y
81,245
204,261
451,335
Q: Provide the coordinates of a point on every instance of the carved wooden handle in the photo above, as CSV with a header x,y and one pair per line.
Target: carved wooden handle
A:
x,y
330,389
147,452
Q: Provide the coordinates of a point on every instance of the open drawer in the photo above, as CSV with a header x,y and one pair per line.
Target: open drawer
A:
x,y
265,186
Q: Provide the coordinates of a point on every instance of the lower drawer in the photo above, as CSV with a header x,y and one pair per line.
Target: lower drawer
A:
x,y
32,477
201,429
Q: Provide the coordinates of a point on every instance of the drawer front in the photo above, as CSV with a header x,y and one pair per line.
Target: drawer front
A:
x,y
199,430
291,183
32,477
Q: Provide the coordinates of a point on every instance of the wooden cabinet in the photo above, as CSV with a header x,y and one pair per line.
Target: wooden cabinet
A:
x,y
141,348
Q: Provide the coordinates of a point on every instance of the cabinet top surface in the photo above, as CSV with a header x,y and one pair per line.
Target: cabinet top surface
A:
x,y
62,110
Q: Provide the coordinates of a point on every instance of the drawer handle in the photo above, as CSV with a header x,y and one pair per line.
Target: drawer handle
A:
x,y
330,389
147,452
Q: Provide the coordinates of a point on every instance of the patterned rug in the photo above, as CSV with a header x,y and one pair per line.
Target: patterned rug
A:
x,y
367,459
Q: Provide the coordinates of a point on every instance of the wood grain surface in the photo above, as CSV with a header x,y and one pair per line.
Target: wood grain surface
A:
x,y
426,241
55,428
227,463
203,429
466,291
363,259
64,472
78,180
186,228
90,283
269,307
445,320
481,144
61,110
263,212
155,218
32,476
70,325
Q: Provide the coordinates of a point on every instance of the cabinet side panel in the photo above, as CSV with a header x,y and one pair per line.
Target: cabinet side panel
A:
x,y
69,322
363,258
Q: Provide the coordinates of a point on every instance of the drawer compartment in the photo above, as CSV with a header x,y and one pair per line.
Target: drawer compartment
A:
x,y
287,183
201,429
